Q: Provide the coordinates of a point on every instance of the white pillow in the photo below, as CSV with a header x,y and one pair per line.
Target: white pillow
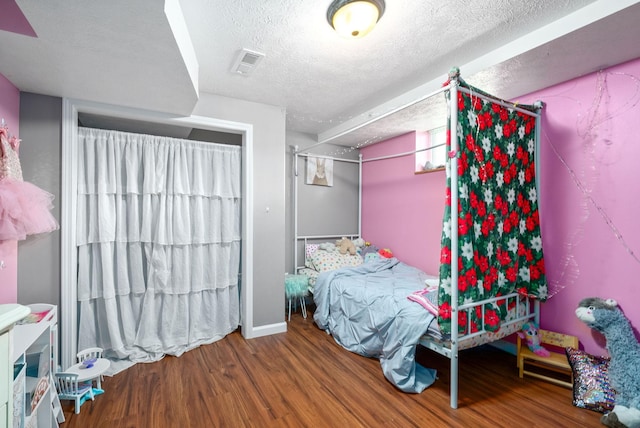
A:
x,y
309,250
324,261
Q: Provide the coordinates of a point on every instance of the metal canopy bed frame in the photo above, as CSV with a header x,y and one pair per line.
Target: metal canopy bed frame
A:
x,y
525,306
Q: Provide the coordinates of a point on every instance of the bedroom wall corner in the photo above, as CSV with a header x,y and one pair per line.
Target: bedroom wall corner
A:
x,y
321,210
10,112
40,156
268,185
588,210
402,210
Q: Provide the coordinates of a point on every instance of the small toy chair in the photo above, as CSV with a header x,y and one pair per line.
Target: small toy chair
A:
x,y
85,354
90,353
68,389
556,361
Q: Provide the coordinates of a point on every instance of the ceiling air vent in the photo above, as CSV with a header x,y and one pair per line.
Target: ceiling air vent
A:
x,y
246,62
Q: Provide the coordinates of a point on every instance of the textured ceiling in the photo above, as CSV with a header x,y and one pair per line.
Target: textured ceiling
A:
x,y
161,55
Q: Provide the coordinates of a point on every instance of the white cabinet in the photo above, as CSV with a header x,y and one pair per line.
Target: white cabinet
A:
x,y
9,315
5,365
36,402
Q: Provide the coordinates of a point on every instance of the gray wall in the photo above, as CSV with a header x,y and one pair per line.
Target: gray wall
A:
x,y
39,261
321,210
40,157
268,198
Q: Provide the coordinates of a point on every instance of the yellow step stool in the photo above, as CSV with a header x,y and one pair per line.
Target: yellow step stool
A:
x,y
556,362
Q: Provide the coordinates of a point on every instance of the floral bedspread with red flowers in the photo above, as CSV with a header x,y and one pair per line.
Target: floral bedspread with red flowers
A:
x,y
499,241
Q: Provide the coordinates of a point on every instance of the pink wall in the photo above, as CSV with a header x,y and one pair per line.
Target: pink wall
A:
x,y
12,19
589,196
402,211
589,200
10,111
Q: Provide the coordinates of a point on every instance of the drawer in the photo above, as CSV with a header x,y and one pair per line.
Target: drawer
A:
x,y
4,415
6,368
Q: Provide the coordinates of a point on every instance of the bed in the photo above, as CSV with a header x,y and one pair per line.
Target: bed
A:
x,y
491,249
366,309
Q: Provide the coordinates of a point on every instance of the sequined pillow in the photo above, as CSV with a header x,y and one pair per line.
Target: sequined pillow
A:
x,y
591,387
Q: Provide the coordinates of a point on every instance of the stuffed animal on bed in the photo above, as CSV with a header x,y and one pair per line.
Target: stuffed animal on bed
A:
x,y
606,317
345,245
359,243
327,246
386,253
369,249
529,332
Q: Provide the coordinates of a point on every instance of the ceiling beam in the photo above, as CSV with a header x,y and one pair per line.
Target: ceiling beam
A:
x,y
555,30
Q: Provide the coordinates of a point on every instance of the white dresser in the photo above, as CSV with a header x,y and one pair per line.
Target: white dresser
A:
x,y
9,315
35,360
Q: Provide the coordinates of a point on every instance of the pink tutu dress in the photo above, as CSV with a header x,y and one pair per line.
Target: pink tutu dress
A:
x,y
25,209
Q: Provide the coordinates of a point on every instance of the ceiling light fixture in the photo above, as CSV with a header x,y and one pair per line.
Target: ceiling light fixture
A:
x,y
354,18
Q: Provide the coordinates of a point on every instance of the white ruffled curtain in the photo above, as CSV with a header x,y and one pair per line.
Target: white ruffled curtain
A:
x,y
158,236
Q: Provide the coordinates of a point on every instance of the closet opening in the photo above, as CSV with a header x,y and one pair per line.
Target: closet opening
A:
x,y
78,114
89,120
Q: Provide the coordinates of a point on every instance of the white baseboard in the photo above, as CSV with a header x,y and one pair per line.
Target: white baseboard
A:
x,y
266,330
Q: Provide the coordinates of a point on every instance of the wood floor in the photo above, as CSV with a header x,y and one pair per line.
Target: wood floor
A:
x,y
302,378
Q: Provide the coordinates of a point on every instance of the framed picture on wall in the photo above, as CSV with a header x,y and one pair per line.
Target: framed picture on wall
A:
x,y
320,171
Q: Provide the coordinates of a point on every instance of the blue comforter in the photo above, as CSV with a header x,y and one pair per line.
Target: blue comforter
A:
x,y
366,310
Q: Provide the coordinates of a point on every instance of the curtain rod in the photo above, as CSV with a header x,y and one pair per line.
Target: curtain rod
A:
x,y
327,157
313,237
508,104
382,116
404,153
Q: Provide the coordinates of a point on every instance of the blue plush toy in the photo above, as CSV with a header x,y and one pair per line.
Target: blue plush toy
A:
x,y
607,318
529,333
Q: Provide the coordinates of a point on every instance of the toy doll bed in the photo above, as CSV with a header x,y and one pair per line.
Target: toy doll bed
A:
x,y
491,249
